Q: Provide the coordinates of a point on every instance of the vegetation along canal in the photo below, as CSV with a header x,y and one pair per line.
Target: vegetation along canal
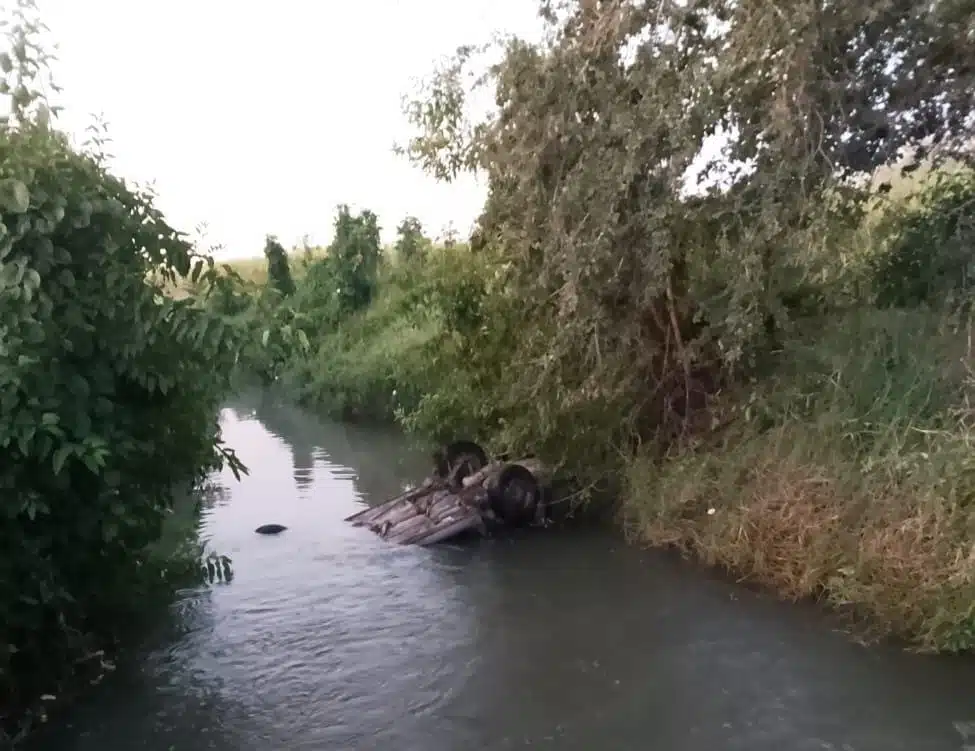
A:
x,y
329,638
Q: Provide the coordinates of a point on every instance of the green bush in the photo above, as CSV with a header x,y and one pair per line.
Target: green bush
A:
x,y
108,401
459,295
370,366
928,256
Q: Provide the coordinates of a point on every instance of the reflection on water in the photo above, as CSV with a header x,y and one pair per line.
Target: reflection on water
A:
x,y
328,638
380,461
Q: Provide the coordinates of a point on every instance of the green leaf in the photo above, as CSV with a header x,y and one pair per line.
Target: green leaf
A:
x,y
66,278
104,407
60,457
32,280
78,385
43,251
34,506
23,441
45,442
11,274
14,196
35,333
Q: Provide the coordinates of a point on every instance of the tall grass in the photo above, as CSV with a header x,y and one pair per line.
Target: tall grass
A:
x,y
847,476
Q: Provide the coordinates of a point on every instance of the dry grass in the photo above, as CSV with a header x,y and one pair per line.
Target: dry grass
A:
x,y
805,531
843,503
773,522
916,570
253,270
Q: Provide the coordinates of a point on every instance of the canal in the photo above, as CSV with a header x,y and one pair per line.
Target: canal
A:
x,y
328,638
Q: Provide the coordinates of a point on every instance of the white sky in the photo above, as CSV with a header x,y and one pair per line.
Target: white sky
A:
x,y
260,117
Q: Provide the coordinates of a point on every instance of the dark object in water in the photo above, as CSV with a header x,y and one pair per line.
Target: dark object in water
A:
x,y
458,460
270,529
467,492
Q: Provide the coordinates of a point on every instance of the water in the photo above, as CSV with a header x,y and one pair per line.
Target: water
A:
x,y
328,638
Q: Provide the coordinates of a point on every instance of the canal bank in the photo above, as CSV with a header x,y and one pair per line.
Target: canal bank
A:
x,y
329,638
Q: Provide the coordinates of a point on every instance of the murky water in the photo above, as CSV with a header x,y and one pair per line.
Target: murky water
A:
x,y
329,638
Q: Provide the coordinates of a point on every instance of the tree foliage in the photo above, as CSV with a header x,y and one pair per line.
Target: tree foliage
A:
x,y
344,280
108,391
411,243
353,258
663,177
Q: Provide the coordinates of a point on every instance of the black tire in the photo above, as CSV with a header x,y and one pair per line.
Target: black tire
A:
x,y
516,496
460,450
463,458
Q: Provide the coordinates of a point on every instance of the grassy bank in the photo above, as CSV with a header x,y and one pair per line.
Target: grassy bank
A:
x,y
847,476
371,366
379,358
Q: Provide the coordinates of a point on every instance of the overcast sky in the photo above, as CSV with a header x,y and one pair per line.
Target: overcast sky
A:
x,y
260,117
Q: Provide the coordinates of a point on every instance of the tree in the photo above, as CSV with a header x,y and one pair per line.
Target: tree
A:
x,y
411,243
278,270
353,258
632,277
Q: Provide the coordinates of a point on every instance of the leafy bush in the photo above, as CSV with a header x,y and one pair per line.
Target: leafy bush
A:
x,y
930,254
108,398
368,368
267,324
458,294
391,360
